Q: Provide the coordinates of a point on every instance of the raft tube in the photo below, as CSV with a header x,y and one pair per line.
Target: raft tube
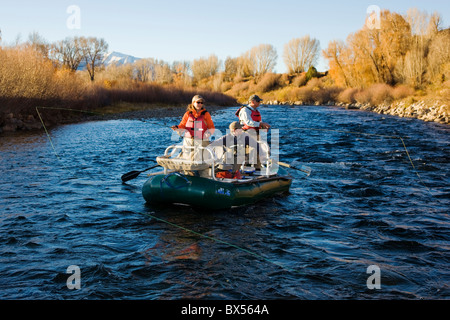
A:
x,y
215,194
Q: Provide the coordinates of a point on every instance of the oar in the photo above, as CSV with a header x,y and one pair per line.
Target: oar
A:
x,y
134,174
304,169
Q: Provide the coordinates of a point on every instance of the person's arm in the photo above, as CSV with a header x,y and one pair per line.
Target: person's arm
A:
x,y
209,123
264,125
245,116
182,126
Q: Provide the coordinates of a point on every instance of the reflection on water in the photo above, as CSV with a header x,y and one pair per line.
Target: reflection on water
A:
x,y
363,204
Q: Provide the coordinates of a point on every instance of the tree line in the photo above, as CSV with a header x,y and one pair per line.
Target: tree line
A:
x,y
299,54
410,50
72,51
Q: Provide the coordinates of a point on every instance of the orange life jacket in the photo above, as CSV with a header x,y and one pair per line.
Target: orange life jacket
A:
x,y
196,126
255,115
229,175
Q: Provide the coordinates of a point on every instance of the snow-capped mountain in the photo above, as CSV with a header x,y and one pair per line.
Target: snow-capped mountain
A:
x,y
113,57
118,58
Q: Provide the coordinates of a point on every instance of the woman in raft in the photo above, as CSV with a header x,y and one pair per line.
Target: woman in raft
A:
x,y
197,126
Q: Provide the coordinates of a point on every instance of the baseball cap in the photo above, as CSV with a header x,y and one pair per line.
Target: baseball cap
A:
x,y
255,97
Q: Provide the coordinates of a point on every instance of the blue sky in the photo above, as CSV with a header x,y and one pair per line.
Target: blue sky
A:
x,y
185,30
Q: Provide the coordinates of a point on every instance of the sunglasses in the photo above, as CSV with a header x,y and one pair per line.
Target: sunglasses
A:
x,y
199,102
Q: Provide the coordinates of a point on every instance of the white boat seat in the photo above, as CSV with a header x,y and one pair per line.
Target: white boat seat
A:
x,y
181,164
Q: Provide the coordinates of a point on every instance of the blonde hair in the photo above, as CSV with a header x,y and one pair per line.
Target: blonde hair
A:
x,y
191,107
197,97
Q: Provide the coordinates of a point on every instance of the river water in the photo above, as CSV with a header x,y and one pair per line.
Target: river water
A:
x,y
370,222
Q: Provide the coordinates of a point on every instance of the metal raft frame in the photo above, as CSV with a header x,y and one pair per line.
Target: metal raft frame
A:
x,y
192,165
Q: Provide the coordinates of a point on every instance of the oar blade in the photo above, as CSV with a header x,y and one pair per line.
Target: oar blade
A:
x,y
130,176
304,169
134,174
298,166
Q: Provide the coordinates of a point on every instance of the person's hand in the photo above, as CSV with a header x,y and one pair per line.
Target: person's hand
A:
x,y
265,125
177,130
208,133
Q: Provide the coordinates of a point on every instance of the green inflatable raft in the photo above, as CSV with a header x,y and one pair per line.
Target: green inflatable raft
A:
x,y
195,183
178,188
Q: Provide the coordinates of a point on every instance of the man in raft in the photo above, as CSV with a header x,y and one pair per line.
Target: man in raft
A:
x,y
250,117
251,120
240,148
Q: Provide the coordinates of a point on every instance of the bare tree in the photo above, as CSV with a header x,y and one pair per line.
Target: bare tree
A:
x,y
68,53
439,56
264,58
245,65
230,68
411,68
116,73
144,69
205,67
39,44
163,73
435,24
93,50
181,70
419,61
301,53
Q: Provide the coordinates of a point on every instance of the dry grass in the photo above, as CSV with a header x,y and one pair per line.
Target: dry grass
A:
x,y
27,80
268,82
375,95
348,95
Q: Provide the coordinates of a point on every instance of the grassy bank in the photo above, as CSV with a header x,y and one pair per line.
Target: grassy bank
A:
x,y
29,80
399,100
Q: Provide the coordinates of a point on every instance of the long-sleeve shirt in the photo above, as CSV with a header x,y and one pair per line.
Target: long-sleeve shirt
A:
x,y
242,141
245,117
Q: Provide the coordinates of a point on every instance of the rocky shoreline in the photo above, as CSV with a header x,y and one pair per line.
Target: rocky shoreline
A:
x,y
426,110
436,112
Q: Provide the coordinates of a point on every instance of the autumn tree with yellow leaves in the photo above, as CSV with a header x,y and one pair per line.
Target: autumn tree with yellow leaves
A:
x,y
410,49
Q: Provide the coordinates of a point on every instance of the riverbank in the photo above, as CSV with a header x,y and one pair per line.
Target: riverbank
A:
x,y
56,116
435,110
144,111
